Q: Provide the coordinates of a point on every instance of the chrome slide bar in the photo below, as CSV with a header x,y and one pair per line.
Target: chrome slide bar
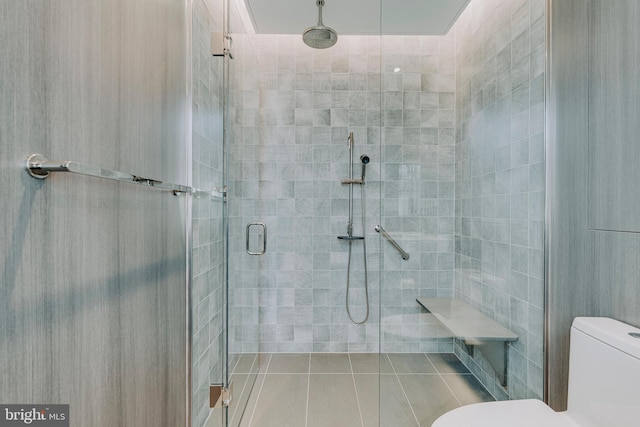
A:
x,y
379,229
40,167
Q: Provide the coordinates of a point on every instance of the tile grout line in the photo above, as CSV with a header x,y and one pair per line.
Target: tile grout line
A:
x,y
323,373
442,379
475,376
403,391
244,385
259,391
355,388
256,360
442,375
306,410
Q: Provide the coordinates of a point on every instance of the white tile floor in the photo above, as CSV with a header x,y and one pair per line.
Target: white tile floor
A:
x,y
343,390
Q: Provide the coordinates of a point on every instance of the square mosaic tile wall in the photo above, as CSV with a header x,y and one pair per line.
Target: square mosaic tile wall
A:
x,y
417,187
500,173
288,157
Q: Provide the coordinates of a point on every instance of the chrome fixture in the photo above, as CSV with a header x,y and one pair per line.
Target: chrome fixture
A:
x,y
264,238
379,229
319,36
350,238
221,45
40,167
365,160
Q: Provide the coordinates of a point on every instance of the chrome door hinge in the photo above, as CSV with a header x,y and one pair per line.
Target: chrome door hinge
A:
x,y
221,45
220,396
219,193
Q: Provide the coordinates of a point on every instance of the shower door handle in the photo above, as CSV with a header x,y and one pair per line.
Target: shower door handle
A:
x,y
264,237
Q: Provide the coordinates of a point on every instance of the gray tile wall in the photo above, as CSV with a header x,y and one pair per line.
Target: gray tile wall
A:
x,y
299,105
500,175
207,291
244,270
417,187
298,110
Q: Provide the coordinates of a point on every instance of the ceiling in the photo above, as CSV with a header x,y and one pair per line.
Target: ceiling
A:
x,y
399,17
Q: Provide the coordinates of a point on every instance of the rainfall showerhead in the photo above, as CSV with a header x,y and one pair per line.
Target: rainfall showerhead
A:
x,y
319,36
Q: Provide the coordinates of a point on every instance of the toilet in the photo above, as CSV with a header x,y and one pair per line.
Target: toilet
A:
x,y
604,385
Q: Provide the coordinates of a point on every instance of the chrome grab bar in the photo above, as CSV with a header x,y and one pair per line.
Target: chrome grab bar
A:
x,y
379,229
40,167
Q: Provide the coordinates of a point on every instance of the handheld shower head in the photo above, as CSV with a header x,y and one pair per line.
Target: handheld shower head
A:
x,y
365,160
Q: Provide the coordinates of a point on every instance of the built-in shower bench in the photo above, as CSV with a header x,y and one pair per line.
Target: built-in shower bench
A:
x,y
474,329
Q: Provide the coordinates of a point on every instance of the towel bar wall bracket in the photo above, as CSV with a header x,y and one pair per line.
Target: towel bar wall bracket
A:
x,y
33,166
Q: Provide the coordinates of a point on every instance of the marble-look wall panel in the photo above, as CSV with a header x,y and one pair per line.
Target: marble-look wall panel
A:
x,y
93,272
593,256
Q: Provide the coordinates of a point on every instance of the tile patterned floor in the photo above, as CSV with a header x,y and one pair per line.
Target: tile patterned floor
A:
x,y
343,390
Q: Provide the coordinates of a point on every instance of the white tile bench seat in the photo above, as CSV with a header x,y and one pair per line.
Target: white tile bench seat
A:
x,y
475,329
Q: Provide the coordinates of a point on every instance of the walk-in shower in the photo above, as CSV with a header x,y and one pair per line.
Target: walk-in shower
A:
x,y
319,36
301,306
350,238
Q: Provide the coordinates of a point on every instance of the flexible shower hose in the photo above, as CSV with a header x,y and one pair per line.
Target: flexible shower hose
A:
x,y
364,250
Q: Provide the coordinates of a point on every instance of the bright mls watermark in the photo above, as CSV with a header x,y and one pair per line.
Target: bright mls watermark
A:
x,y
34,415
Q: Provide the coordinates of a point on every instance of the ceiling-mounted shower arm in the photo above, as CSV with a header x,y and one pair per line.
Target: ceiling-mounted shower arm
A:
x,y
320,4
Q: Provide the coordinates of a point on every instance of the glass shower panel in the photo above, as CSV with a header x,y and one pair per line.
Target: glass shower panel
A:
x,y
418,187
500,153
461,193
418,183
207,299
242,180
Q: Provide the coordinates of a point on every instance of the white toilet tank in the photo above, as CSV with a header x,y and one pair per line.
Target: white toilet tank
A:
x,y
604,373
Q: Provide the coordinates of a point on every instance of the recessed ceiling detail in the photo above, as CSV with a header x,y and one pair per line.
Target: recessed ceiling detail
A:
x,y
363,17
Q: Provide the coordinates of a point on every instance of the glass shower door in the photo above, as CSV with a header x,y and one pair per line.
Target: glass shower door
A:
x,y
246,229
222,368
291,109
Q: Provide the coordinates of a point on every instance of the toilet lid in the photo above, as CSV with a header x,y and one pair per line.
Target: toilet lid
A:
x,y
520,413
